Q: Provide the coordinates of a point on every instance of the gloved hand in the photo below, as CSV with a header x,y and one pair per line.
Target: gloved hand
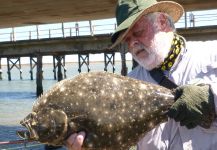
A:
x,y
194,105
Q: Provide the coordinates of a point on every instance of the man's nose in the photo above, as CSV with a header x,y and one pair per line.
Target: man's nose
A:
x,y
132,44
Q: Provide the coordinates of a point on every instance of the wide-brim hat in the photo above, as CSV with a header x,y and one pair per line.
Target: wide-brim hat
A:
x,y
128,12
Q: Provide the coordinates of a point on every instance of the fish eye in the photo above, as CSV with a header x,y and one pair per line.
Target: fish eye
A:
x,y
43,127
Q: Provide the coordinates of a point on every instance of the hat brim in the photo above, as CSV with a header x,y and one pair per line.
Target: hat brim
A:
x,y
173,9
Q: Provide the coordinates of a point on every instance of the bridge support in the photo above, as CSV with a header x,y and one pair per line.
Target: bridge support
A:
x,y
123,51
12,62
59,65
33,64
83,59
0,69
109,58
39,76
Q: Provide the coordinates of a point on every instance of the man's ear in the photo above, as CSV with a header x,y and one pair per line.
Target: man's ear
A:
x,y
163,22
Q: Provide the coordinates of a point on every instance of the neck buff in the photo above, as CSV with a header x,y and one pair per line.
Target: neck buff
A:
x,y
177,45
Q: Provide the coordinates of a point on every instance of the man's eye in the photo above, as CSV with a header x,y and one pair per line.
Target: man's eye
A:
x,y
138,33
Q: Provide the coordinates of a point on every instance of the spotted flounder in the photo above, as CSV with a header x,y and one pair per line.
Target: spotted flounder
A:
x,y
115,111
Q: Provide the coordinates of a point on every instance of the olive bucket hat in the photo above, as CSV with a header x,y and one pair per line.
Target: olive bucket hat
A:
x,y
128,12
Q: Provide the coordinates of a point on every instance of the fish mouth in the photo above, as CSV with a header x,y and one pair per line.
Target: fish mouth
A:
x,y
24,134
28,134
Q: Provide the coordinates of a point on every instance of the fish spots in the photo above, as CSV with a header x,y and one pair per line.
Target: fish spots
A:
x,y
87,81
115,81
151,124
110,126
120,94
119,137
83,87
62,89
102,92
80,94
90,145
141,96
141,116
130,93
142,86
116,110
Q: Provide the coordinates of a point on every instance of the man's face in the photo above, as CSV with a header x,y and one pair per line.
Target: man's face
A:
x,y
145,43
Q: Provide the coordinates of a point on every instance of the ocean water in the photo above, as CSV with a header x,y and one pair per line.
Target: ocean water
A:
x,y
17,97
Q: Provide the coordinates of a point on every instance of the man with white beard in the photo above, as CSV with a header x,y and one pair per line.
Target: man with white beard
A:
x,y
147,27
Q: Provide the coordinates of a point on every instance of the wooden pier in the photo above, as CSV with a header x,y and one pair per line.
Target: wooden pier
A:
x,y
58,48
82,46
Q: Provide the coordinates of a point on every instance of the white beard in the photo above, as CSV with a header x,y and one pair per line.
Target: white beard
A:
x,y
158,51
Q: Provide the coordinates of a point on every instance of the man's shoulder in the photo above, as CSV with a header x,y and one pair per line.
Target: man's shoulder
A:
x,y
140,73
138,70
201,49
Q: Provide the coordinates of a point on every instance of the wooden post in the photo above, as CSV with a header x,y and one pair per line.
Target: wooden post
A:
x,y
9,70
109,58
64,66
21,77
76,29
124,68
49,34
39,76
13,35
91,28
31,69
32,66
0,70
83,59
59,68
30,35
37,31
70,32
54,67
63,33
13,64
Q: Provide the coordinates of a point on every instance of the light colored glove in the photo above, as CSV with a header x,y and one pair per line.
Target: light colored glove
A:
x,y
194,105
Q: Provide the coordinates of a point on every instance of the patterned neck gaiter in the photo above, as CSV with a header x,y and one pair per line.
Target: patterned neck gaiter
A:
x,y
177,45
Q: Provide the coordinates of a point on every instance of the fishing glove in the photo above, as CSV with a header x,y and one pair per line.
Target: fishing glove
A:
x,y
194,105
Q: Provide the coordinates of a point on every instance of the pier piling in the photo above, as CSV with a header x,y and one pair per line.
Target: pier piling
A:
x,y
39,76
32,66
109,58
123,51
83,59
59,66
11,63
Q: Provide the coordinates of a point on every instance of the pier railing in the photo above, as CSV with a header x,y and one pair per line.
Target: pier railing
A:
x,y
189,19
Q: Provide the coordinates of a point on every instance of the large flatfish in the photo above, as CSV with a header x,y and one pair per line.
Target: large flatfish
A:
x,y
114,110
